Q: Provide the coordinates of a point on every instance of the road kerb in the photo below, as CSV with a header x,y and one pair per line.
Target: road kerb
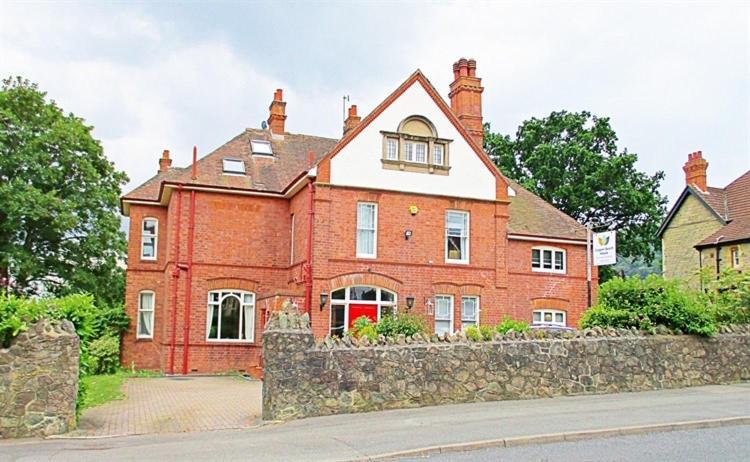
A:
x,y
560,437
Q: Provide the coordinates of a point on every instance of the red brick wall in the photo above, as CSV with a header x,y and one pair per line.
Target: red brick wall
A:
x,y
414,267
243,242
532,290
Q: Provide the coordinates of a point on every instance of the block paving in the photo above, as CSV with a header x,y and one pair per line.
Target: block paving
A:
x,y
175,404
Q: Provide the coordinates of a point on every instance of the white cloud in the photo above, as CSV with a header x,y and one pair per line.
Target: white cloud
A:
x,y
673,78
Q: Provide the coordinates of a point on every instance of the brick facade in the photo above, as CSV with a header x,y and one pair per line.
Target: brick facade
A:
x,y
251,232
245,243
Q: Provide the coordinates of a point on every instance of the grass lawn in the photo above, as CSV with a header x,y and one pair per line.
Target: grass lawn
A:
x,y
104,388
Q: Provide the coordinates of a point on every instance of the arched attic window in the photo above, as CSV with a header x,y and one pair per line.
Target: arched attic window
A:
x,y
416,147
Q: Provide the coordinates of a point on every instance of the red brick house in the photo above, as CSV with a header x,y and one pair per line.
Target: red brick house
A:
x,y
404,212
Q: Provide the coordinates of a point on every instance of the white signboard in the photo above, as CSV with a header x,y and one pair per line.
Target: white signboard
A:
x,y
605,248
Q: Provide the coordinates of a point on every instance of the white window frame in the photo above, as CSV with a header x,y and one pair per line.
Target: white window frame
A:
x,y
450,312
388,142
145,236
553,251
426,152
347,300
374,230
735,257
542,322
409,154
475,321
141,310
261,148
223,294
435,148
291,244
465,255
230,171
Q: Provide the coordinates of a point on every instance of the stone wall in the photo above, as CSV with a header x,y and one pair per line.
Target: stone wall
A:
x,y
304,379
39,381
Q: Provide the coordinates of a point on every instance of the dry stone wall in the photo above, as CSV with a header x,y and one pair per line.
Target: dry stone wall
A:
x,y
39,381
303,378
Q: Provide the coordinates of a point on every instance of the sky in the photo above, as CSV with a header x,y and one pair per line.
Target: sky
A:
x,y
673,77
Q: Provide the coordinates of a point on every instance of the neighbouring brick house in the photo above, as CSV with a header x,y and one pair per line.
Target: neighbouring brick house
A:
x,y
708,228
404,212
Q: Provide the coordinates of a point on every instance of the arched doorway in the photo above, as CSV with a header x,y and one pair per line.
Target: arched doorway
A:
x,y
349,303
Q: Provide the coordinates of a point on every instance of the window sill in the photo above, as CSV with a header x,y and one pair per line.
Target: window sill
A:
x,y
230,342
417,167
549,271
367,257
144,339
456,262
148,260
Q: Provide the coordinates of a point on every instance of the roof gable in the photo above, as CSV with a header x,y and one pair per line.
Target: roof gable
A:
x,y
423,100
689,190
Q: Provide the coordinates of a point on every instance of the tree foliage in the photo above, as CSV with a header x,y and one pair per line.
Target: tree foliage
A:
x,y
59,221
572,161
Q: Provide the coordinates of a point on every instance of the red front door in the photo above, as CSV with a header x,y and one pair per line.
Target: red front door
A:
x,y
355,311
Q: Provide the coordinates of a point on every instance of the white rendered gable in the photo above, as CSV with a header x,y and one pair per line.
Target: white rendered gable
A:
x,y
359,162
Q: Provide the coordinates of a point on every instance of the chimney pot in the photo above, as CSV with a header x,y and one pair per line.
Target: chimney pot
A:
x,y
277,113
353,120
466,98
695,171
165,162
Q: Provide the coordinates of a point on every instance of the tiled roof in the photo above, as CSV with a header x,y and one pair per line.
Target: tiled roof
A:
x,y
732,203
263,173
532,215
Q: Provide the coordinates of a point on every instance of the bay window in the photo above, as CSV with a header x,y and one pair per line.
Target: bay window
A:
x,y
230,316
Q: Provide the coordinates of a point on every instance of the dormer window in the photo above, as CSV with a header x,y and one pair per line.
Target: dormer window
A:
x,y
261,147
233,166
416,147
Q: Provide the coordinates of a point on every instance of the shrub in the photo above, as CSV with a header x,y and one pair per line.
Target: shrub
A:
x,y
473,334
729,295
511,324
487,332
646,303
104,355
407,324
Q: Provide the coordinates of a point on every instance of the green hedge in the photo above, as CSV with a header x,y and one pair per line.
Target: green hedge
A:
x,y
98,328
647,303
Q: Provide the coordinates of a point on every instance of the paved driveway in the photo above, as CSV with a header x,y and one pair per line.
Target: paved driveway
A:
x,y
176,404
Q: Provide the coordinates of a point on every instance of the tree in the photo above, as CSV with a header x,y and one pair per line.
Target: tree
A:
x,y
59,220
572,161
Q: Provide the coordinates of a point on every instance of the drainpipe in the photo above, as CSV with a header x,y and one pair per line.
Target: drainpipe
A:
x,y
718,252
175,282
308,268
189,281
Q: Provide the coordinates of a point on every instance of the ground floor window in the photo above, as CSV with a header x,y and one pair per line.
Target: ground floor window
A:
x,y
469,311
443,314
145,328
548,317
349,303
231,316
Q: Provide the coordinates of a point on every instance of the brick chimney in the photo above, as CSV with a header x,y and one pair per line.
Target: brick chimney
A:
x,y
165,162
277,115
695,170
466,97
352,121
